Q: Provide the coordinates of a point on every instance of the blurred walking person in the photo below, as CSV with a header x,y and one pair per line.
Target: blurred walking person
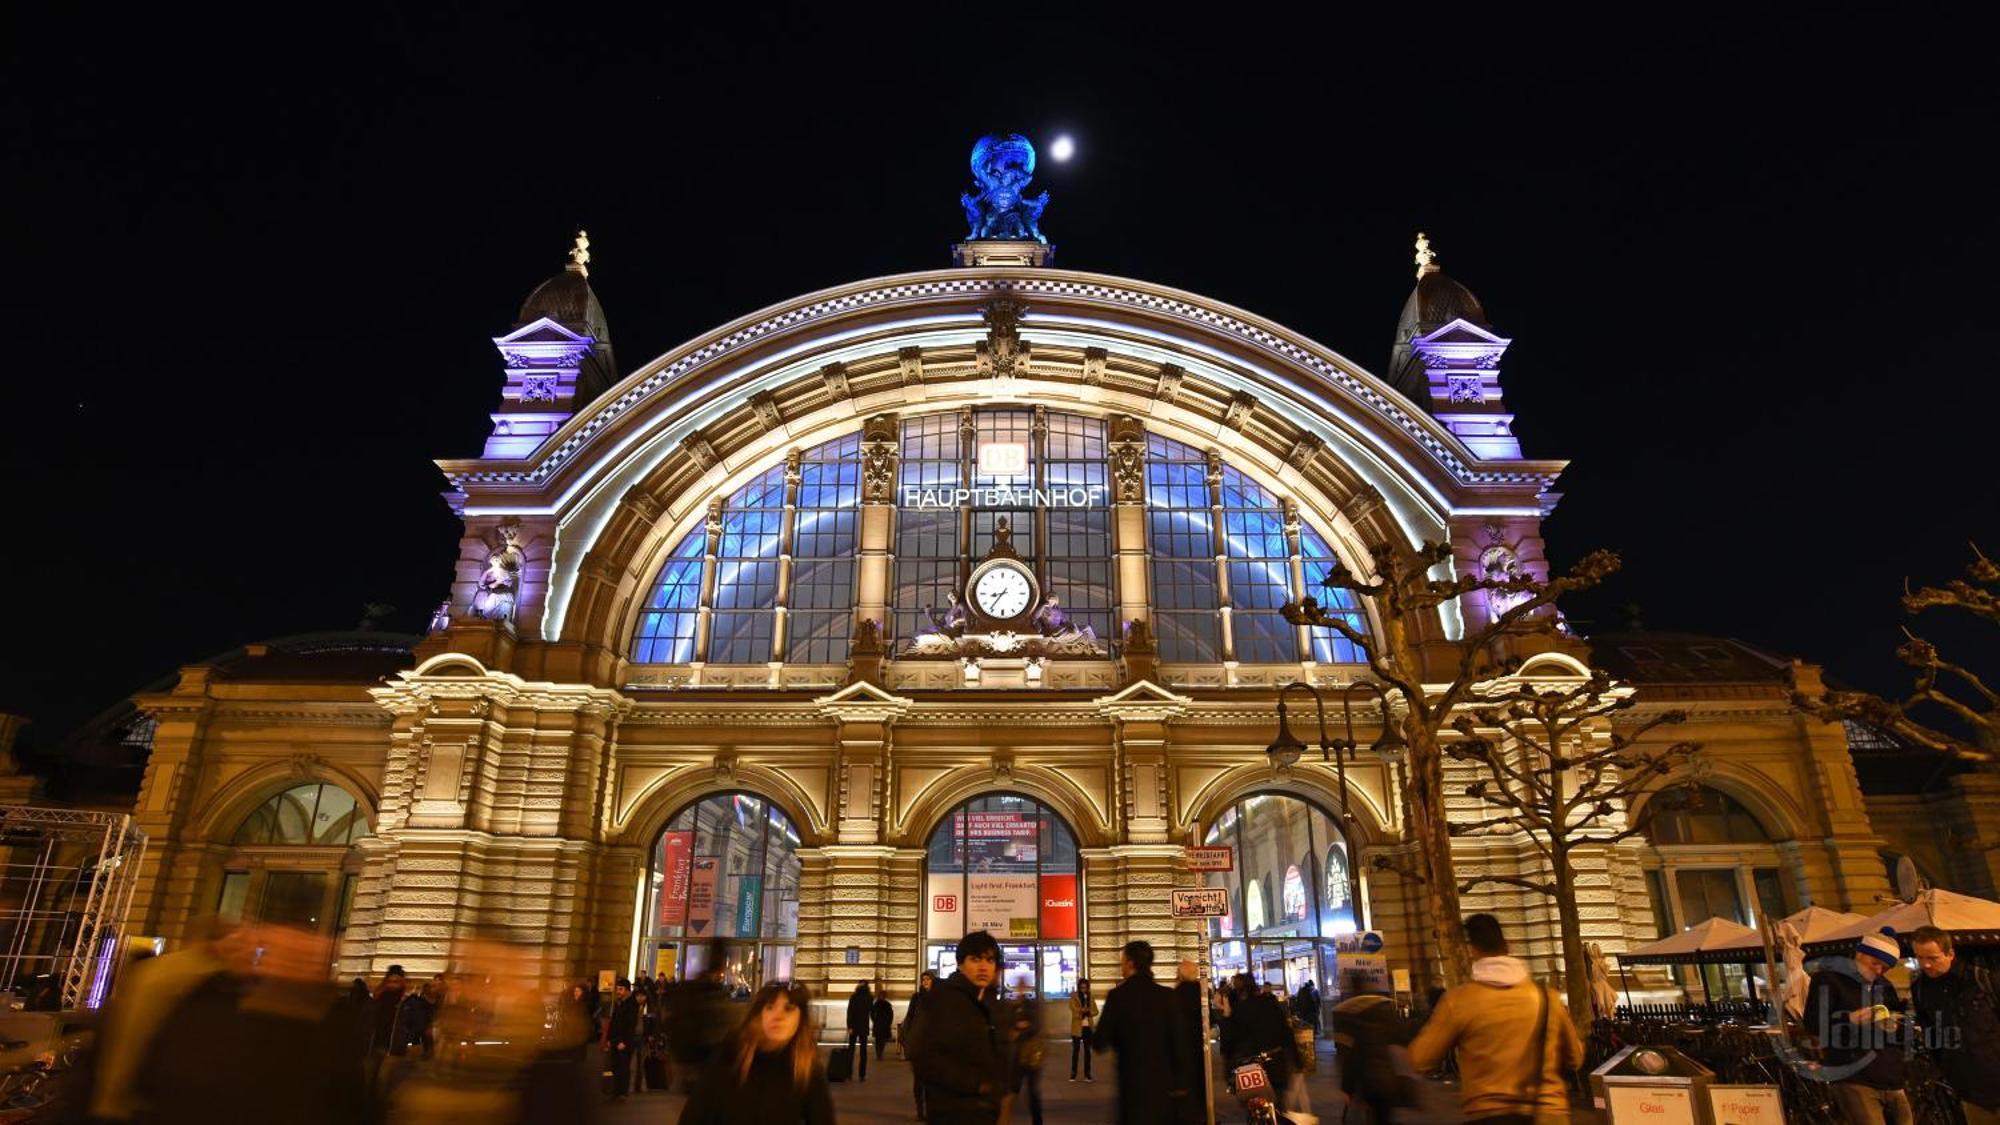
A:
x,y
882,1017
918,1000
700,1016
1516,1045
859,1011
1140,1024
1030,1049
769,1073
1372,1041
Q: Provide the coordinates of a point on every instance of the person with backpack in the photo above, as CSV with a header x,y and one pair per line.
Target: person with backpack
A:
x,y
1959,1011
1370,1035
1516,1044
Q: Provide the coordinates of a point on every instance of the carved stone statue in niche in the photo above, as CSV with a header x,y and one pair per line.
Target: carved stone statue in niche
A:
x,y
500,585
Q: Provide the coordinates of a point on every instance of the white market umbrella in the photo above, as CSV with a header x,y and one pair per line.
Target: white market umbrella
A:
x,y
1717,939
1812,924
1964,917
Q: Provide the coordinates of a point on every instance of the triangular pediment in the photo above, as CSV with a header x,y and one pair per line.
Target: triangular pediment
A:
x,y
1462,331
1142,692
542,331
861,692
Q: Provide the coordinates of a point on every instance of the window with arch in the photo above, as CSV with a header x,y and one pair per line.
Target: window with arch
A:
x,y
1712,857
1006,864
289,862
1297,898
724,876
312,815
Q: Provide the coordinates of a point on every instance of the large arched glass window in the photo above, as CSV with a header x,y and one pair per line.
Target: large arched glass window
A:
x,y
1260,572
1180,531
1698,814
667,627
1290,891
821,612
289,862
725,870
1069,545
1008,865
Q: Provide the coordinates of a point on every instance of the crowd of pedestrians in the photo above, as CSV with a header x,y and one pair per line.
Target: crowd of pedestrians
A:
x,y
478,1044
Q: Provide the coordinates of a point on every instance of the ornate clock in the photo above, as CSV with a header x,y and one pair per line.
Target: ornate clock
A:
x,y
1003,590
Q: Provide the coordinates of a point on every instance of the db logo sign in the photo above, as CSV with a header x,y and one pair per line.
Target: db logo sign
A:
x,y
1251,1078
944,904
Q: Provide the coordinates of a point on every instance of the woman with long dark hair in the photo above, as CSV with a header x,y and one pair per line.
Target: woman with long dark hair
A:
x,y
770,1073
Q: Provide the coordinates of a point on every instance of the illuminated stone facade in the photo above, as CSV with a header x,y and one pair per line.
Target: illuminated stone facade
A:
x,y
715,578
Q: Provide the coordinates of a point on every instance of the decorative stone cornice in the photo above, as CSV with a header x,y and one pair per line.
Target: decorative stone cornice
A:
x,y
1144,701
862,702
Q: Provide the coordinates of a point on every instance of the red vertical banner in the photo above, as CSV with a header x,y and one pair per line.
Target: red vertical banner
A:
x,y
676,861
1059,906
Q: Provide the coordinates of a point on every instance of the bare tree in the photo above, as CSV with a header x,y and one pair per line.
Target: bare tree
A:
x,y
1404,594
1946,694
1557,772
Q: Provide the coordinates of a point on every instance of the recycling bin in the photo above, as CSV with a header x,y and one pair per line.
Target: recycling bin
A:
x,y
1652,1086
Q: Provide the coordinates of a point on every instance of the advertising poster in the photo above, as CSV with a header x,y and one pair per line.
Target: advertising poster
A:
x,y
997,840
663,961
944,913
749,905
701,895
1002,905
676,861
1059,906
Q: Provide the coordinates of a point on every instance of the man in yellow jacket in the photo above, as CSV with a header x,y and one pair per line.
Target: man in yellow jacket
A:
x,y
1514,1037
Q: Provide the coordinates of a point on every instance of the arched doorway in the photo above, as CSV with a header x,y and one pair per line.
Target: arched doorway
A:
x,y
1711,856
1291,891
723,881
1006,864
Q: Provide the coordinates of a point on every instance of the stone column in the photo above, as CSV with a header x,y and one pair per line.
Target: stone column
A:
x,y
880,453
492,826
1848,858
163,900
1128,519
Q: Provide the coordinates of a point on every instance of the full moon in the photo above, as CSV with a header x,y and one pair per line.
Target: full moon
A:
x,y
1063,148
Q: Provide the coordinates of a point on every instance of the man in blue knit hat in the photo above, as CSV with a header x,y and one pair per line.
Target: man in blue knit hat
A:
x,y
1855,1012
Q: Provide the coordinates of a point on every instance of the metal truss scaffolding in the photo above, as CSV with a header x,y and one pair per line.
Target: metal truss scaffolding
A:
x,y
64,890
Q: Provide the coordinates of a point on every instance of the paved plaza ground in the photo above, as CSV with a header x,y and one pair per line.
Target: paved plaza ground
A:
x,y
885,1097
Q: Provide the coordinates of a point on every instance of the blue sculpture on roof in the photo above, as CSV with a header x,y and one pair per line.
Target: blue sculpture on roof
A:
x,y
1003,164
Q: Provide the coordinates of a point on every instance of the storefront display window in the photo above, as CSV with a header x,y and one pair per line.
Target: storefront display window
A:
x,y
1007,865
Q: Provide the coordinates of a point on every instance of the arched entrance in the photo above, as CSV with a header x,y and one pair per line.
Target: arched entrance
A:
x,y
1292,891
1006,864
723,880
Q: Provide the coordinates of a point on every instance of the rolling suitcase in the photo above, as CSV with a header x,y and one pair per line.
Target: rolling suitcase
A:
x,y
840,1064
656,1072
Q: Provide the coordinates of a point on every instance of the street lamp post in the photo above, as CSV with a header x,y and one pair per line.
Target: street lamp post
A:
x,y
1287,749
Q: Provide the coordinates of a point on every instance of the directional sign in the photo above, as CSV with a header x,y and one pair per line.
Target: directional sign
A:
x,y
1211,859
1201,902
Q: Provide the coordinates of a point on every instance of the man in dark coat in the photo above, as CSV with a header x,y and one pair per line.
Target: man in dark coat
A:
x,y
918,999
1960,1014
1192,1105
1851,1007
700,1017
957,1047
859,1009
1257,1024
882,1019
1142,1024
621,1038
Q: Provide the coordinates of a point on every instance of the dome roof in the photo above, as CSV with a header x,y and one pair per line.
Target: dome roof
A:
x,y
1436,301
568,300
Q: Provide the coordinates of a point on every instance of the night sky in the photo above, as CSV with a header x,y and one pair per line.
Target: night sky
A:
x,y
255,271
